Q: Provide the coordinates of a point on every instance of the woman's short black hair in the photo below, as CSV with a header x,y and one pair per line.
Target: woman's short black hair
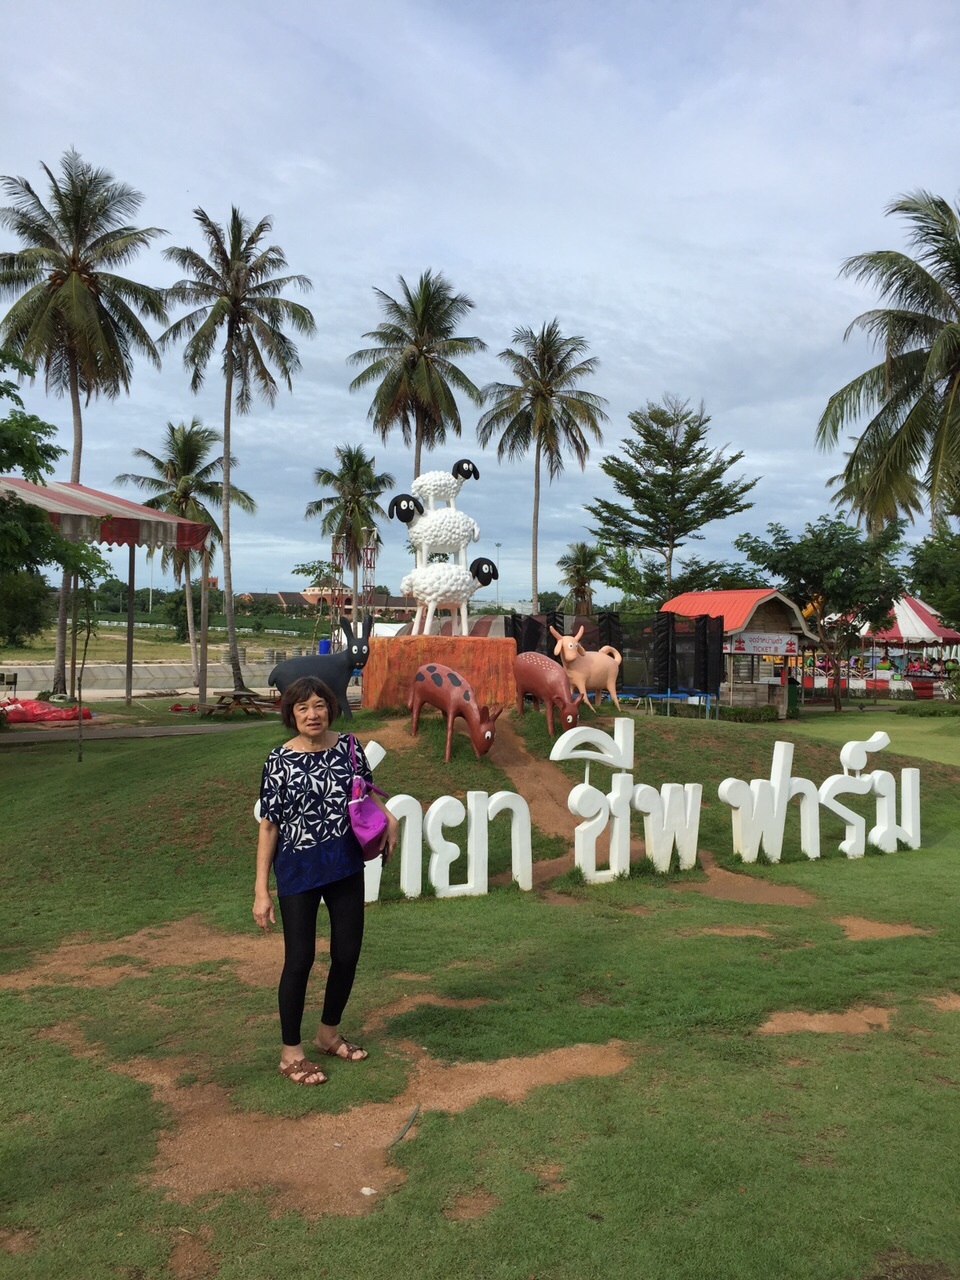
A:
x,y
300,691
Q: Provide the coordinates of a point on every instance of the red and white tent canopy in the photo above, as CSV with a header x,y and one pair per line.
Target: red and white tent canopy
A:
x,y
913,623
89,515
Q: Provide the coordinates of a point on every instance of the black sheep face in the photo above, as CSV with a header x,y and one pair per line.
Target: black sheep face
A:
x,y
465,470
405,507
485,571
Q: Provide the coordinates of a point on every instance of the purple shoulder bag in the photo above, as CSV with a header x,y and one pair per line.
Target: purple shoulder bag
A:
x,y
366,817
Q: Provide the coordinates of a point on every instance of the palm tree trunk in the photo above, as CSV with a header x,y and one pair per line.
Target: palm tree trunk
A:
x,y
77,420
60,652
353,607
417,442
534,592
236,673
191,629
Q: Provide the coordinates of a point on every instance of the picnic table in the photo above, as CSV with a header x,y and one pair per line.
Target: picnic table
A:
x,y
251,704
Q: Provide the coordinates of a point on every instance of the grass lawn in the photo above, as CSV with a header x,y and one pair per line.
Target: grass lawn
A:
x,y
929,737
154,644
716,1151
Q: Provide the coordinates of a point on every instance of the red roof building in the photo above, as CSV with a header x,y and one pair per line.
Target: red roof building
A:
x,y
756,620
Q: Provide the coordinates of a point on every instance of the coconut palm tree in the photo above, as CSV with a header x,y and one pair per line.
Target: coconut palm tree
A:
x,y
74,317
412,363
183,482
544,409
350,513
580,568
236,311
909,450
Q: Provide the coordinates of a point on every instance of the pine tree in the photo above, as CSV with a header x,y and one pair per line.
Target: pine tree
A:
x,y
673,482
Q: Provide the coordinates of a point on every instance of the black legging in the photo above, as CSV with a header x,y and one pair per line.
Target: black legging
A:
x,y
344,899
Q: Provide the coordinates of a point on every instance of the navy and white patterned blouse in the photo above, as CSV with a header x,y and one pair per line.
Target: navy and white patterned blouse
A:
x,y
306,793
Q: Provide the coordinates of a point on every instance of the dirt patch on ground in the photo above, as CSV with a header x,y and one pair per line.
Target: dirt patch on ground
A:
x,y
191,1257
950,1003
324,1164
897,1265
857,1021
13,1241
721,883
255,958
859,929
475,1205
549,1177
544,787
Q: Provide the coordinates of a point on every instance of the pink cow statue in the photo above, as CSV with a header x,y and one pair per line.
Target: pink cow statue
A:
x,y
546,682
449,692
588,672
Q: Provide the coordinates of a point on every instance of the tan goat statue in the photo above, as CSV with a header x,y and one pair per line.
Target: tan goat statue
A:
x,y
593,672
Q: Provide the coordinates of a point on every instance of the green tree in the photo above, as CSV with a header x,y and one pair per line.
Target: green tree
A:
x,y
840,578
674,483
413,363
580,568
26,608
934,573
27,538
642,582
74,317
549,601
183,481
907,452
545,409
350,513
236,310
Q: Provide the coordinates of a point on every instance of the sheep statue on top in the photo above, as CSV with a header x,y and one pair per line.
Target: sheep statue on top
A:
x,y
441,529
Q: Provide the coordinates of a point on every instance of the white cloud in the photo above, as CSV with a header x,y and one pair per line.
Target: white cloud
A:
x,y
678,183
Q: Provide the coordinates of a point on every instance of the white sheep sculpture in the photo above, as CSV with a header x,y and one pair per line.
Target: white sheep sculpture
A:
x,y
439,586
448,531
443,486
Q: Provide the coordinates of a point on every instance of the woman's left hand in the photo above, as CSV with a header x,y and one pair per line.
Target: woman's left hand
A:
x,y
388,841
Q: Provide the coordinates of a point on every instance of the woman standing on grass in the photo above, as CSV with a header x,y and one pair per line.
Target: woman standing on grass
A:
x,y
305,835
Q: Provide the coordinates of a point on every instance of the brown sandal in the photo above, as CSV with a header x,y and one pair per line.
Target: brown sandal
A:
x,y
345,1051
303,1068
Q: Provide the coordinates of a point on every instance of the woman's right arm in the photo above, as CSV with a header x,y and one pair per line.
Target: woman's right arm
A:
x,y
266,851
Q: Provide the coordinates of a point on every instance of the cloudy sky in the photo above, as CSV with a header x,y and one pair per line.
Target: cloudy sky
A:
x,y
676,180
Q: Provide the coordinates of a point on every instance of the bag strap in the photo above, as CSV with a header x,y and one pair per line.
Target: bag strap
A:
x,y
353,760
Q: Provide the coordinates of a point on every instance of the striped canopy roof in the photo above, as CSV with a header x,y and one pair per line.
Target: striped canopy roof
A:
x,y
82,513
914,623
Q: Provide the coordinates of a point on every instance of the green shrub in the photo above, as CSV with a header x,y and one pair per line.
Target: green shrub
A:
x,y
929,709
749,715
